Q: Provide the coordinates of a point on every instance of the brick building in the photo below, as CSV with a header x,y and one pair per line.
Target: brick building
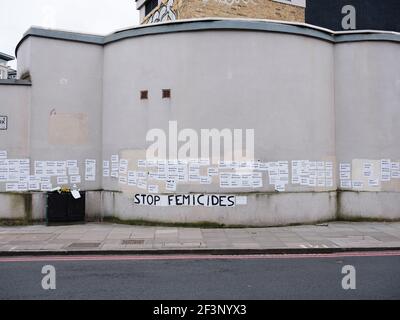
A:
x,y
152,11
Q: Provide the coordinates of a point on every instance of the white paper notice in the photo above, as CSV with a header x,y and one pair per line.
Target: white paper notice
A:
x,y
170,162
194,172
75,179
131,178
11,187
182,173
114,158
76,194
3,170
153,176
142,163
62,180
345,184
72,163
212,171
115,166
358,184
329,183
151,163
45,179
385,170
90,170
373,183
106,172
170,185
172,172
204,162
345,175
22,186
51,168
395,174
33,185
123,166
321,182
123,179
141,174
152,188
345,167
223,164
257,180
205,180
367,170
296,167
224,180
114,174
328,171
262,166
236,180
312,182
142,184
73,171
46,186
395,170
247,180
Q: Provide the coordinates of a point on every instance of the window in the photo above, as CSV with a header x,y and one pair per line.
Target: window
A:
x,y
144,95
149,6
166,93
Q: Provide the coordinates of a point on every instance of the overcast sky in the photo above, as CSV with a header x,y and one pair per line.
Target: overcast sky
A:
x,y
90,16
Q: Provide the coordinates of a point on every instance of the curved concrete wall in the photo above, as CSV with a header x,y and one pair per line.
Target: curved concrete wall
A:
x,y
367,104
279,85
66,101
308,94
367,100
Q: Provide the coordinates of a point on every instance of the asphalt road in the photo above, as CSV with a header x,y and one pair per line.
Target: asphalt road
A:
x,y
185,277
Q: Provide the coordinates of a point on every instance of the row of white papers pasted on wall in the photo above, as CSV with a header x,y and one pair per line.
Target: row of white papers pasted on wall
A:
x,y
150,174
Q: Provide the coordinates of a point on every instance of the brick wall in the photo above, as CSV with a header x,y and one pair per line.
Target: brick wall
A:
x,y
258,9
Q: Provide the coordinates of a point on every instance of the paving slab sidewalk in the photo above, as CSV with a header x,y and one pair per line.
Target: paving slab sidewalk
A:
x,y
102,238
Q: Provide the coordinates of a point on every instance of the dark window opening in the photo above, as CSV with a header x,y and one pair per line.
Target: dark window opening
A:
x,y
166,93
144,95
149,6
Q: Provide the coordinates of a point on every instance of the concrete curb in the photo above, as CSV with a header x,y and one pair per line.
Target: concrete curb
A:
x,y
220,252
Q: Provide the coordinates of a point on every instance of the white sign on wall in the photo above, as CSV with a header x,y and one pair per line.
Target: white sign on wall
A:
x,y
189,200
3,122
300,3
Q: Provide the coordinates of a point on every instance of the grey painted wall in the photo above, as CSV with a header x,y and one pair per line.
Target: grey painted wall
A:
x,y
15,104
367,100
306,96
282,86
66,101
367,106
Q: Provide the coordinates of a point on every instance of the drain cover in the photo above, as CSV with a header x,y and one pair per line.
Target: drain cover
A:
x,y
132,241
84,245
